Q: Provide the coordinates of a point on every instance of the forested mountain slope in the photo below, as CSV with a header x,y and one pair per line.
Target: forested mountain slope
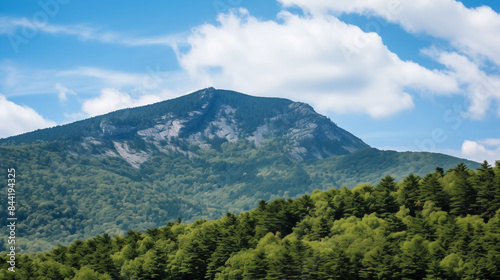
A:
x,y
64,197
444,225
196,156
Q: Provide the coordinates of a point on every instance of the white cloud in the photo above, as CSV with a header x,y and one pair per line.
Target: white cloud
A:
x,y
475,31
151,81
488,149
96,84
63,92
20,30
109,77
483,90
16,79
319,60
16,119
111,100
473,34
491,142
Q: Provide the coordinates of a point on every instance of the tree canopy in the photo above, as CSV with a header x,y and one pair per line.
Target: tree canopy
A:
x,y
395,230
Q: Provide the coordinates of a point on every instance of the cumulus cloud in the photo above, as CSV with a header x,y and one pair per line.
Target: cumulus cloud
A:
x,y
475,31
487,149
483,90
319,60
111,99
16,119
472,33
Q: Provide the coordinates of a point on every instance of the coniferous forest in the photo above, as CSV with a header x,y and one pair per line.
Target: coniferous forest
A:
x,y
445,225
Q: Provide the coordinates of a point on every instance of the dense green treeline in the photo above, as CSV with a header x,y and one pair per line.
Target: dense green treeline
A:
x,y
445,225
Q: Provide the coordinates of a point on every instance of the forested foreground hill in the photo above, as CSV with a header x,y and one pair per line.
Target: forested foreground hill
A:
x,y
445,225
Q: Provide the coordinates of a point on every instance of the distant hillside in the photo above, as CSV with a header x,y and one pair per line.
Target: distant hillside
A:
x,y
196,156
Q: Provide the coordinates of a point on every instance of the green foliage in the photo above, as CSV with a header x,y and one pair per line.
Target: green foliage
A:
x,y
87,273
75,183
68,196
364,233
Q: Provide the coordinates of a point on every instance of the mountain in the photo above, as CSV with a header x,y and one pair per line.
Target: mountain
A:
x,y
196,156
203,119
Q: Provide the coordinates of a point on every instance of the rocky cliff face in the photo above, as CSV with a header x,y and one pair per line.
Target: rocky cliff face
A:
x,y
205,119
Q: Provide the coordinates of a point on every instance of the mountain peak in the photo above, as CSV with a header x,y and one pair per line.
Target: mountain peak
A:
x,y
200,120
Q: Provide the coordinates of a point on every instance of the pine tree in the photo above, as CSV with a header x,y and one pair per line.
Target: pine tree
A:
x,y
414,258
463,195
227,244
338,267
385,201
492,238
256,267
484,183
410,193
378,263
431,189
358,206
153,265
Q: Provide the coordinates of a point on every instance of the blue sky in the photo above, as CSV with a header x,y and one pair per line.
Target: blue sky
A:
x,y
400,74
